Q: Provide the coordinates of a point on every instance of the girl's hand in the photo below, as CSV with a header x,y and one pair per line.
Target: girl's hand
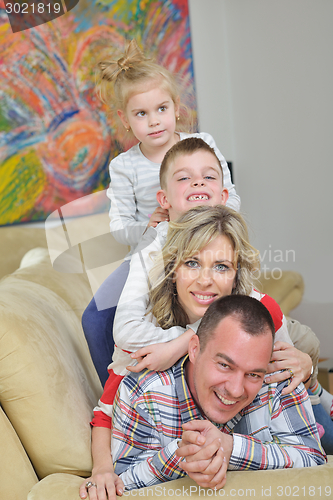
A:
x,y
296,365
157,357
106,485
159,215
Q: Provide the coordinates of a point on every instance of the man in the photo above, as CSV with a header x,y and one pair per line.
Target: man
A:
x,y
212,407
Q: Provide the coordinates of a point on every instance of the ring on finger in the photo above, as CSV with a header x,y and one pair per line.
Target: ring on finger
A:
x,y
291,373
89,484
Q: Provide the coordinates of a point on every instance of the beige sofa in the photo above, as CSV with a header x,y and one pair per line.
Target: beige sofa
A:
x,y
48,385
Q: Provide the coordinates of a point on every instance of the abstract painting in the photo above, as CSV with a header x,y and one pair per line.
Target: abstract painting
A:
x,y
56,137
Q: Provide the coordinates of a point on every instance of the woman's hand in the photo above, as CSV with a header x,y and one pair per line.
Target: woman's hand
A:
x,y
105,485
159,215
295,364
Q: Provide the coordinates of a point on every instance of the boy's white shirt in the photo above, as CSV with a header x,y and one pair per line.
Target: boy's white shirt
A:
x,y
134,329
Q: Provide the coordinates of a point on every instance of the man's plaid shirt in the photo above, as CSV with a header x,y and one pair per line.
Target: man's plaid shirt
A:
x,y
274,431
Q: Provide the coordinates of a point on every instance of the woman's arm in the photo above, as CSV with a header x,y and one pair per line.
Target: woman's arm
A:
x,y
294,364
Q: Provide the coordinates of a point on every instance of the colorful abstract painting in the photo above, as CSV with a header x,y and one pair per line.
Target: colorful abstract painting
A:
x,y
56,137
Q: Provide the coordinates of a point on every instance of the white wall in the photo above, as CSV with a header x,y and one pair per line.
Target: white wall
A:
x,y
264,79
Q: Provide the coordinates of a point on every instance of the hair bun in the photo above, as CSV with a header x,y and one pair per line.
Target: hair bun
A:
x,y
110,70
132,55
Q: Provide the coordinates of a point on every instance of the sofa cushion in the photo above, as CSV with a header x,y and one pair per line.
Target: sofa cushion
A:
x,y
14,462
305,483
48,385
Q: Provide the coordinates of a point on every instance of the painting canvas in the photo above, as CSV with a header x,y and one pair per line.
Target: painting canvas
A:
x,y
56,137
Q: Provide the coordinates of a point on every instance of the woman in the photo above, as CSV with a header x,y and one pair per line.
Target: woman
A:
x,y
207,255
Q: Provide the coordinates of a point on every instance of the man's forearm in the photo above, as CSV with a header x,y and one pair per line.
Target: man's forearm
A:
x,y
251,454
161,466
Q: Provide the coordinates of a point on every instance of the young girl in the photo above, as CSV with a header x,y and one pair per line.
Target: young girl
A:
x,y
147,100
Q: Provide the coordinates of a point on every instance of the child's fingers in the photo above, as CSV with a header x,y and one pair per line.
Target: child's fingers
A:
x,y
159,218
159,215
140,353
160,210
138,367
133,369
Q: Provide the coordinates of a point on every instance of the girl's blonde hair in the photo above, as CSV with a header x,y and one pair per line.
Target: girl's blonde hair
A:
x,y
186,237
118,80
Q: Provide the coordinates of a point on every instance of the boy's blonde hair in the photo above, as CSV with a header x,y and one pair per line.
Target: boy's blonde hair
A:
x,y
186,237
181,148
118,80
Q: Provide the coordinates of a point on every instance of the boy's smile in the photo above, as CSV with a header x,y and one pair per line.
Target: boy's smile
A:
x,y
193,179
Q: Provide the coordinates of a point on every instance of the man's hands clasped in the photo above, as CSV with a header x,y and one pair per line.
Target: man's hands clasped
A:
x,y
207,453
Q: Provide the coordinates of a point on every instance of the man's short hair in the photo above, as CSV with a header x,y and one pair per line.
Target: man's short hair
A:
x,y
253,316
181,148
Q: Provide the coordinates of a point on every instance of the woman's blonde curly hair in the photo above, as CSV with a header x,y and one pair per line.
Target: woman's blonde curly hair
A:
x,y
186,237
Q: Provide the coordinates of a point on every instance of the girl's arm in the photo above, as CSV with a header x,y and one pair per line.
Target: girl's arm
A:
x,y
123,212
233,200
